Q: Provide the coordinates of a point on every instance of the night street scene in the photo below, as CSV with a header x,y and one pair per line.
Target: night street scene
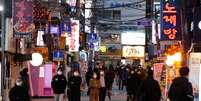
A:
x,y
100,50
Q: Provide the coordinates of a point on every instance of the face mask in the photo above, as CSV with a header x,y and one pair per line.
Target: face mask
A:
x,y
132,72
18,83
76,74
101,73
59,72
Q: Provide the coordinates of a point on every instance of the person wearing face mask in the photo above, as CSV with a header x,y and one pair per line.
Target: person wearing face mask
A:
x,y
94,85
132,85
19,92
102,89
74,83
58,84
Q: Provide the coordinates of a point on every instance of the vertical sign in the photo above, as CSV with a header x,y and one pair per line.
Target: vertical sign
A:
x,y
73,39
170,20
22,17
194,66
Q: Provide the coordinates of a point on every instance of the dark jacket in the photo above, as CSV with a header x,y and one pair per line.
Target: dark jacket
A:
x,y
180,90
74,88
25,78
59,84
74,82
19,93
149,90
109,79
133,83
88,76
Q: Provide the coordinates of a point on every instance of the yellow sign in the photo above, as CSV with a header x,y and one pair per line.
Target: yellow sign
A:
x,y
103,49
133,51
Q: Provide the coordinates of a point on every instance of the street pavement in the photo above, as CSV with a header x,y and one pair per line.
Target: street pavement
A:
x,y
117,95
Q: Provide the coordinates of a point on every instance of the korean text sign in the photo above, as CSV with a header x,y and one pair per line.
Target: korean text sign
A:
x,y
170,20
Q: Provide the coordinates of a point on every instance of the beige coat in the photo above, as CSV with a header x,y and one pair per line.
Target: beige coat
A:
x,y
94,89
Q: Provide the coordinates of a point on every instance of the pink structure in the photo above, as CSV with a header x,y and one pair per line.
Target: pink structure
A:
x,y
40,79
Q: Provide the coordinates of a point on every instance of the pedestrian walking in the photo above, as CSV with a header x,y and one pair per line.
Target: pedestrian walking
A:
x,y
102,89
58,84
133,83
88,77
181,88
94,88
124,77
110,75
19,92
74,84
149,88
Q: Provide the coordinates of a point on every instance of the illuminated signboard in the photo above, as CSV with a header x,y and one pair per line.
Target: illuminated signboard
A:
x,y
133,51
170,20
133,38
73,39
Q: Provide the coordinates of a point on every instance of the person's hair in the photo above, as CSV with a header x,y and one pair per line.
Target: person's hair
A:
x,y
143,74
184,71
150,72
18,79
59,69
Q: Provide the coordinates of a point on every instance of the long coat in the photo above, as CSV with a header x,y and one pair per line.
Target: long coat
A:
x,y
94,89
74,88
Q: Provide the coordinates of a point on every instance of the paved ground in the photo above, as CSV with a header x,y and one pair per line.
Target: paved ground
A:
x,y
117,95
82,99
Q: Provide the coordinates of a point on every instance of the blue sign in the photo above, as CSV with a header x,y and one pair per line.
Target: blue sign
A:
x,y
65,27
58,55
92,38
170,20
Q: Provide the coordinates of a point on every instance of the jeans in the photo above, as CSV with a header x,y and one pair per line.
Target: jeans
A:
x,y
58,97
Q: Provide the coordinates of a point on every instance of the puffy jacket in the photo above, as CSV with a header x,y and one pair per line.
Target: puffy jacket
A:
x,y
59,84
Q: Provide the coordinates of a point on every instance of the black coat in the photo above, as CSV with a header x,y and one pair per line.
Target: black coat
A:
x,y
74,88
109,79
149,90
59,84
19,93
25,79
180,90
133,83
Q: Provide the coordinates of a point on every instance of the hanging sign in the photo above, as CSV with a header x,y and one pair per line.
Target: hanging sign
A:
x,y
170,20
22,17
73,39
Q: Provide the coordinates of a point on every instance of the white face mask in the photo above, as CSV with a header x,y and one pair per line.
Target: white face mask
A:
x,y
18,83
132,72
127,69
75,73
101,73
59,72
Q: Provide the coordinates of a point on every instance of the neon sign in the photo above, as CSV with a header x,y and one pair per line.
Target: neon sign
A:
x,y
170,20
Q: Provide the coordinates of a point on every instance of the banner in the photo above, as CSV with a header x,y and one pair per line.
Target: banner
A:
x,y
73,39
22,17
158,68
170,20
